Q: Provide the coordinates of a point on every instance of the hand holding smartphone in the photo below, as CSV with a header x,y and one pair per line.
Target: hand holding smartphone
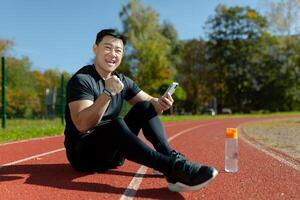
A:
x,y
171,89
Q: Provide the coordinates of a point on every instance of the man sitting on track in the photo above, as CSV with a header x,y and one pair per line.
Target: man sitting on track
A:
x,y
97,139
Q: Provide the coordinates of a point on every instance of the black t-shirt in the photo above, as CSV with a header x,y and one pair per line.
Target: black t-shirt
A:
x,y
87,84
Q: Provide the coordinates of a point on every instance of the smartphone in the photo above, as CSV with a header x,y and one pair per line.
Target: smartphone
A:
x,y
171,88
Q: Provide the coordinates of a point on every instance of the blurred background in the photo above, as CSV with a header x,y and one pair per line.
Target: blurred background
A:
x,y
228,56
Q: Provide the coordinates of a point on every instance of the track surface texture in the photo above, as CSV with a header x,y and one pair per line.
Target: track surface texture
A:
x,y
38,169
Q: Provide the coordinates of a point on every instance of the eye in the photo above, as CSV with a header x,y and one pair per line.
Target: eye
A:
x,y
107,48
119,51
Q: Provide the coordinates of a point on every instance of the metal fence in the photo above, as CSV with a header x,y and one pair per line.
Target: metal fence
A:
x,y
48,102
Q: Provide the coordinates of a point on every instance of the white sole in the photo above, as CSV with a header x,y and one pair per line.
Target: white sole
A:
x,y
180,187
156,172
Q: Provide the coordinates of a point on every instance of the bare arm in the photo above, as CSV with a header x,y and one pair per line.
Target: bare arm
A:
x,y
161,104
86,114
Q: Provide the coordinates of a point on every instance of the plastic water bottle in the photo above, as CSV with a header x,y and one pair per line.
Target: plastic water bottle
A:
x,y
231,150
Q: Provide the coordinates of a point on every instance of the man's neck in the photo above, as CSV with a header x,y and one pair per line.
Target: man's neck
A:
x,y
104,75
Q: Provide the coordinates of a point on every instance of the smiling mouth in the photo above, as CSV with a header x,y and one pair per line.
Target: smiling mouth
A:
x,y
110,62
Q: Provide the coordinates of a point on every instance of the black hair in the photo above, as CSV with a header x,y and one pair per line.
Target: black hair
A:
x,y
111,32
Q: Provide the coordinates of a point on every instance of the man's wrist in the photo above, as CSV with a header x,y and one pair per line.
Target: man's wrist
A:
x,y
107,93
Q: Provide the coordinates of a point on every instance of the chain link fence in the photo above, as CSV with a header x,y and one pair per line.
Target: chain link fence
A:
x,y
31,94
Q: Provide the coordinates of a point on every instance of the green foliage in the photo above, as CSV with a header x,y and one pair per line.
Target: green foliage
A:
x,y
235,35
21,97
194,74
179,94
148,48
291,74
242,65
25,89
235,23
176,46
253,70
4,46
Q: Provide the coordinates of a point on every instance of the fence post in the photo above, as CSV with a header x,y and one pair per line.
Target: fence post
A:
x,y
62,98
3,93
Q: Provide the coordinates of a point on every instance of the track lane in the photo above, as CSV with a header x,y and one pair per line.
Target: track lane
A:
x,y
13,151
50,176
136,181
260,176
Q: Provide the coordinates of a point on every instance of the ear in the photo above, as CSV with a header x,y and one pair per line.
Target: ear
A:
x,y
95,48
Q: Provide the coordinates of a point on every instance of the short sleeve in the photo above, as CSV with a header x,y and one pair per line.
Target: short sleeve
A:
x,y
131,89
79,88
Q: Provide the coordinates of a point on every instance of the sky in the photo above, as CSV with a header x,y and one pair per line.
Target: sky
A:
x,y
59,34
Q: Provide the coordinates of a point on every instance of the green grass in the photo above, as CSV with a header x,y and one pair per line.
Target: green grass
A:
x,y
20,129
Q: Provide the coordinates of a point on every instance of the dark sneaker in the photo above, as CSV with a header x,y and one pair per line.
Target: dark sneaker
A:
x,y
117,161
120,162
173,154
189,176
176,154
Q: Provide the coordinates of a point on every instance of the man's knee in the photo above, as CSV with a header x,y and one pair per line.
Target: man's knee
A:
x,y
118,122
143,107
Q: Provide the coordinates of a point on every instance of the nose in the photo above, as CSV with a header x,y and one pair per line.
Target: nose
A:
x,y
112,53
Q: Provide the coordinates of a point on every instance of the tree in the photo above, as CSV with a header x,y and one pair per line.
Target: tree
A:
x,y
22,97
283,16
175,53
233,36
194,75
26,87
148,49
291,72
5,45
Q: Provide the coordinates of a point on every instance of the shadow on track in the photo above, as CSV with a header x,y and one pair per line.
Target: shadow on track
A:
x,y
63,175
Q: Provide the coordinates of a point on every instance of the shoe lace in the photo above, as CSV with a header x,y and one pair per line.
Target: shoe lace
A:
x,y
186,166
176,154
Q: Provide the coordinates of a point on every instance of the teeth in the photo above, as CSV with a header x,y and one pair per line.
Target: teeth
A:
x,y
110,62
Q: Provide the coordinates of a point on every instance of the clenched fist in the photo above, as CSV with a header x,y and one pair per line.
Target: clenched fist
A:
x,y
114,85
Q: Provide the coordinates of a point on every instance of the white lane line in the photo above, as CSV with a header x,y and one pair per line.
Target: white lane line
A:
x,y
29,140
32,157
134,185
269,152
190,129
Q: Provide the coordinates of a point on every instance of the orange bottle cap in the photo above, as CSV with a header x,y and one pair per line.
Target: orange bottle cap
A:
x,y
232,133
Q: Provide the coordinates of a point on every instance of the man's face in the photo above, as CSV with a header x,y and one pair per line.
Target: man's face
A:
x,y
109,53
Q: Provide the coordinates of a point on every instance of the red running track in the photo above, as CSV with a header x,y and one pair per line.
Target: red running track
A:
x,y
38,169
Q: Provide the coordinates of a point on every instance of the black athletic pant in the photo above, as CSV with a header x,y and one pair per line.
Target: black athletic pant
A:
x,y
97,150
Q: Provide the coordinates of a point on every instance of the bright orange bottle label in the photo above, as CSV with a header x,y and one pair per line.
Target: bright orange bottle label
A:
x,y
232,133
